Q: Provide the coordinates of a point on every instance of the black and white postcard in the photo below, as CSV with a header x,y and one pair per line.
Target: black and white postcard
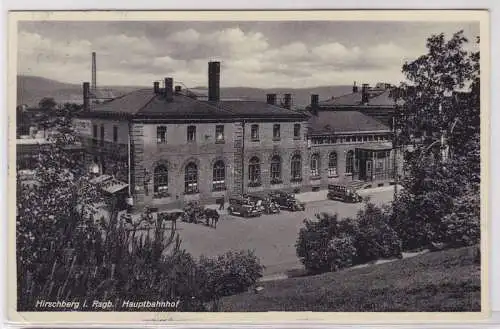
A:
x,y
270,166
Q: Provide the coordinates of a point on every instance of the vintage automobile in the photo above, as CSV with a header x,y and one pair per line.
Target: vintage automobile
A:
x,y
286,201
265,204
243,206
343,192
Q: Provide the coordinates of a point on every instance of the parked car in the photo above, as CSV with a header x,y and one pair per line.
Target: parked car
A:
x,y
243,206
287,201
343,192
265,204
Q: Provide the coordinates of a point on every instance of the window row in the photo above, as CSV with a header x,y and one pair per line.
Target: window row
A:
x,y
160,178
315,165
94,134
349,139
161,133
255,134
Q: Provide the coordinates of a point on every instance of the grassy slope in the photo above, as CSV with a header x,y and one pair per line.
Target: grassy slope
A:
x,y
444,281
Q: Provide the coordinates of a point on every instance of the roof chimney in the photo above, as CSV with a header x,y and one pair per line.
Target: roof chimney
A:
x,y
86,96
271,99
364,93
354,88
169,89
214,81
287,101
156,87
178,89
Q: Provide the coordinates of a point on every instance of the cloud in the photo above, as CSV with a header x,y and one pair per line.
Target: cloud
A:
x,y
253,55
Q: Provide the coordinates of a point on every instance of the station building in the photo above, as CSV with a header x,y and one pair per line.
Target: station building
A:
x,y
168,147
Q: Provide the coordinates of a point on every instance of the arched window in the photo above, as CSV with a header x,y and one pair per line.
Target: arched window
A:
x,y
191,178
219,176
160,181
254,172
276,169
349,162
332,164
296,166
315,165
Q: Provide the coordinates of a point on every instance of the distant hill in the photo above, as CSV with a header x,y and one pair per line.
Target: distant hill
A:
x,y
31,89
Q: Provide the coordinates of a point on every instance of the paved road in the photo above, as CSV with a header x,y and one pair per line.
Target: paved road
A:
x,y
272,237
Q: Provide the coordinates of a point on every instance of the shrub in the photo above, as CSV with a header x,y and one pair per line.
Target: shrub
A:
x,y
376,238
326,244
341,252
227,274
463,226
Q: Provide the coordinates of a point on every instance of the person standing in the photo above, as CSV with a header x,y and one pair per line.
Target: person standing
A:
x,y
221,203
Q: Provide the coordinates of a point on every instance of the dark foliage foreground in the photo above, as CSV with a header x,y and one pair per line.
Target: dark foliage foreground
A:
x,y
66,253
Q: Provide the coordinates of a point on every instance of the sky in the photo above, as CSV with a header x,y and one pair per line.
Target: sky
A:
x,y
294,54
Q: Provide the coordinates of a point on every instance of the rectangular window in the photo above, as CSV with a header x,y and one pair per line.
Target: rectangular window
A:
x,y
102,135
191,133
379,168
219,134
161,135
276,132
115,134
296,131
94,134
255,132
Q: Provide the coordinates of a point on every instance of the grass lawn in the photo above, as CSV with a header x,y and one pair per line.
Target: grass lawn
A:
x,y
445,281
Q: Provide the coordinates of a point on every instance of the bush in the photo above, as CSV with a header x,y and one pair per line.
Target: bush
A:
x,y
376,238
227,274
326,244
330,244
341,252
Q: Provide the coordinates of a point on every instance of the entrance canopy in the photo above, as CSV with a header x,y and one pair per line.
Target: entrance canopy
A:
x,y
109,184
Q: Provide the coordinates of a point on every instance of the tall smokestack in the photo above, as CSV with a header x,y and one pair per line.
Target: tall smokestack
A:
x,y
156,87
86,96
271,99
214,81
169,89
364,93
287,101
314,103
94,72
354,88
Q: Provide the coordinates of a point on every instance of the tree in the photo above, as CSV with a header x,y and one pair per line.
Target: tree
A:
x,y
47,103
66,251
441,103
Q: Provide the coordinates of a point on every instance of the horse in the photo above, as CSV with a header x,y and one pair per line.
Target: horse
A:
x,y
172,217
212,217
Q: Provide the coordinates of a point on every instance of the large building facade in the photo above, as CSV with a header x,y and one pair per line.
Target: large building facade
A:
x,y
169,147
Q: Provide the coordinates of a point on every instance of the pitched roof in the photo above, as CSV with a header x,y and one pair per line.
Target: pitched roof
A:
x,y
145,103
129,103
377,97
333,122
259,109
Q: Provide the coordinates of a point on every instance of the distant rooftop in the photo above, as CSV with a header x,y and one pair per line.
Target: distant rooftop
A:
x,y
333,122
28,140
376,97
